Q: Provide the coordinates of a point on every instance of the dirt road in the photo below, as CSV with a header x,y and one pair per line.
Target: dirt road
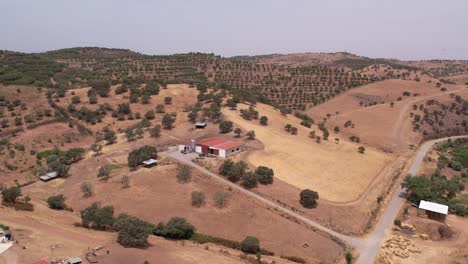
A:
x,y
369,246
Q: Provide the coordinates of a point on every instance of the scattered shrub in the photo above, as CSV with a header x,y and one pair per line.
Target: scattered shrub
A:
x,y
56,202
250,244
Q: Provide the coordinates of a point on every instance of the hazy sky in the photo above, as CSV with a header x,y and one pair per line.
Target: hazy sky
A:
x,y
405,29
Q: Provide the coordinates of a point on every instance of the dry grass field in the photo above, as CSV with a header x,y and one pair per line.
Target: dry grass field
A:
x,y
337,171
380,125
50,234
155,195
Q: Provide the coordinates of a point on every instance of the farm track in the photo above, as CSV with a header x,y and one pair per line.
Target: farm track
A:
x,y
368,247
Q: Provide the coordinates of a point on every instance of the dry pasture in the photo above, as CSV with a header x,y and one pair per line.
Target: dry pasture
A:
x,y
337,171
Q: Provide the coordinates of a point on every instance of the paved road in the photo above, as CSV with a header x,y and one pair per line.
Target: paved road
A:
x,y
372,243
369,246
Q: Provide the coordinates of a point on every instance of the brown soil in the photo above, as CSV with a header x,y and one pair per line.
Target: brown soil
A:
x,y
168,198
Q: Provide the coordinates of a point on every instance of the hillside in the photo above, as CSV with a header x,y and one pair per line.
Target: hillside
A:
x,y
294,81
340,127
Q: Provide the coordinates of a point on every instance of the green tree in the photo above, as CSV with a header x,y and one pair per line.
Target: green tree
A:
x,y
168,100
145,99
225,127
265,175
104,172
226,167
75,99
150,115
110,136
184,173
221,199
98,218
10,194
160,109
132,232
264,121
176,228
87,189
250,244
361,149
155,131
251,135
250,180
308,198
349,257
137,156
130,134
56,202
96,148
167,121
198,199
101,87
238,132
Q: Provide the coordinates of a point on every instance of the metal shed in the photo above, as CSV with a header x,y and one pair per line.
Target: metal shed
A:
x,y
432,210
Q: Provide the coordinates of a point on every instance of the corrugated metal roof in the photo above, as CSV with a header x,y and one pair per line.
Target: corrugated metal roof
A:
x,y
49,176
150,161
433,207
229,145
74,260
210,142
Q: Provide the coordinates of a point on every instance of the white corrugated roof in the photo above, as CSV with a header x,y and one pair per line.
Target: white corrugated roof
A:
x,y
150,161
49,176
433,207
74,260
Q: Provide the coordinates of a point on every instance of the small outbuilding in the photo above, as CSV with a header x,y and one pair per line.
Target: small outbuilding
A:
x,y
150,162
433,211
5,236
49,176
74,260
200,125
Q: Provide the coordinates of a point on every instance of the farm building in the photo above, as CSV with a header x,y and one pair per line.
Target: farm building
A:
x,y
150,163
49,176
200,125
74,260
433,211
5,236
213,146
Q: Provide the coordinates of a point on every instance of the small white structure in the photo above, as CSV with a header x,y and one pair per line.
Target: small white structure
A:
x,y
191,147
74,260
49,176
150,162
433,210
200,124
5,236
